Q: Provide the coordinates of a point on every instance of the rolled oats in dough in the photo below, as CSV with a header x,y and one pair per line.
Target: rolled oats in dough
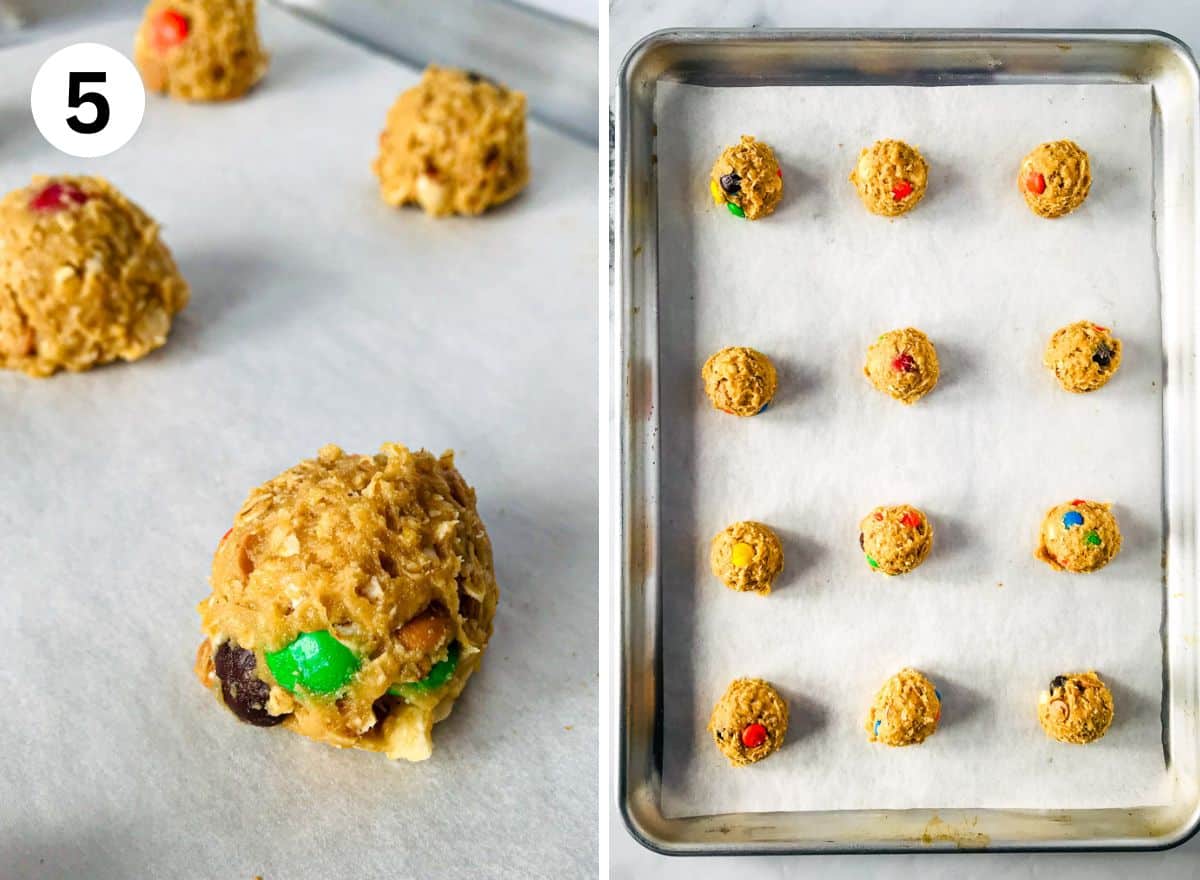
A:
x,y
1079,536
896,539
906,710
454,144
747,556
84,277
1055,178
890,177
1077,708
200,50
1083,356
739,381
749,722
747,179
903,364
351,600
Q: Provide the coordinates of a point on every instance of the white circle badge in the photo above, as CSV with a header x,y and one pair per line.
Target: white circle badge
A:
x,y
87,100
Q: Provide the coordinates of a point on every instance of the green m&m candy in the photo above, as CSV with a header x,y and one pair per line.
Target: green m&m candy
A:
x,y
315,661
438,676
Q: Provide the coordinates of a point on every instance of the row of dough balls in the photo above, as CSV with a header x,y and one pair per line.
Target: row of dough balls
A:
x,y
750,720
88,278
1078,536
891,177
903,364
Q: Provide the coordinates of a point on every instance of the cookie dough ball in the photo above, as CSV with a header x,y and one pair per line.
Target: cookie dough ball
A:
x,y
1078,708
903,364
453,144
906,710
749,721
351,600
739,381
747,557
1055,178
890,177
1079,536
896,539
200,50
84,278
746,178
1083,356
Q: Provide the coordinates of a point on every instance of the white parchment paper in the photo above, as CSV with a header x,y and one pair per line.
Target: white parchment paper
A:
x,y
985,454
319,315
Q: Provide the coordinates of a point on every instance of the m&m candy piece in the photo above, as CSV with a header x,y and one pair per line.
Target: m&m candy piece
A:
x,y
1073,518
438,676
871,562
741,555
170,29
1092,538
754,736
57,196
901,189
911,518
904,363
731,183
1035,183
718,196
878,721
315,661
735,210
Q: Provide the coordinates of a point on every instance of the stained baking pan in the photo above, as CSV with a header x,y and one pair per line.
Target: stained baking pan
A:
x,y
637,532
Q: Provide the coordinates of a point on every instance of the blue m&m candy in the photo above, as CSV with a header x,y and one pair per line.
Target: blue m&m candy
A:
x,y
1072,518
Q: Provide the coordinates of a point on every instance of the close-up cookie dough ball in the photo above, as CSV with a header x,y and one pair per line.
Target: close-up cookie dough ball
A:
x,y
1055,178
200,50
749,721
739,381
747,557
84,277
895,539
1083,356
1079,536
903,364
351,600
453,144
1078,708
890,177
747,179
906,710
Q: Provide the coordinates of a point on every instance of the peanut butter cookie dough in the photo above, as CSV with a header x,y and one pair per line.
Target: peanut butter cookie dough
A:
x,y
890,177
1055,178
903,364
747,179
749,721
453,144
1083,356
906,710
739,381
896,539
200,50
1079,536
351,600
84,278
1078,708
747,557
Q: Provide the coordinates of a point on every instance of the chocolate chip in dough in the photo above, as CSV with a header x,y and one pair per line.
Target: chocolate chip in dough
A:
x,y
245,693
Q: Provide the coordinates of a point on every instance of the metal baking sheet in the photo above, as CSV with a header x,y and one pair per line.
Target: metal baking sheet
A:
x,y
318,315
785,58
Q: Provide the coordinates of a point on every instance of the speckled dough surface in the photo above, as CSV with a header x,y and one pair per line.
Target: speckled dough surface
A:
x,y
454,143
747,557
890,177
1055,178
380,569
1079,536
84,277
906,710
739,381
747,179
1083,356
1078,708
896,539
903,364
200,50
749,722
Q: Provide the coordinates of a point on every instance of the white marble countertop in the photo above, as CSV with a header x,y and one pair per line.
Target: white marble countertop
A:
x,y
630,20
